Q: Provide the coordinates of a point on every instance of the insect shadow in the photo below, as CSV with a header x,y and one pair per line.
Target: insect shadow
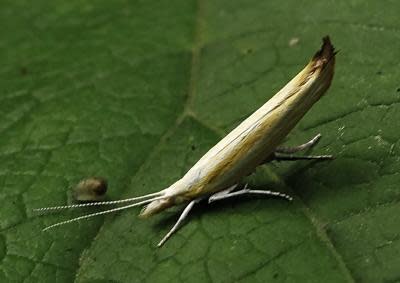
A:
x,y
338,175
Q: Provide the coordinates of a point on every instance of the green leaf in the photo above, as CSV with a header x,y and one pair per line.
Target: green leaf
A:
x,y
138,91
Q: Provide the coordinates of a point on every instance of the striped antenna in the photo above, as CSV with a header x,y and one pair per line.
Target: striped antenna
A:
x,y
98,203
102,212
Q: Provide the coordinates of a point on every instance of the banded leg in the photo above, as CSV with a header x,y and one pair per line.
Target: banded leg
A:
x,y
283,153
290,157
304,146
178,223
244,191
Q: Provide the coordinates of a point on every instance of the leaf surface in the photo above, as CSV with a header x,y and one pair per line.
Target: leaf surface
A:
x,y
138,91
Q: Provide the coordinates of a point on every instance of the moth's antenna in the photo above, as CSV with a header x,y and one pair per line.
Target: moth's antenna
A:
x,y
103,212
98,203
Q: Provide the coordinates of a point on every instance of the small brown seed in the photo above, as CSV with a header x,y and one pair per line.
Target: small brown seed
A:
x,y
90,189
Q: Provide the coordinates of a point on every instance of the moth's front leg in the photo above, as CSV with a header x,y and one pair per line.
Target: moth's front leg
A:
x,y
179,223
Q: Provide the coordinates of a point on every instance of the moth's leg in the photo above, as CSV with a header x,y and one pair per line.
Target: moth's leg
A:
x,y
290,157
178,223
304,146
216,196
245,191
283,153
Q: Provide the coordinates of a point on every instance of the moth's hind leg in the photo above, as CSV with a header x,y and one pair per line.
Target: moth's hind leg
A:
x,y
246,191
304,146
291,157
283,153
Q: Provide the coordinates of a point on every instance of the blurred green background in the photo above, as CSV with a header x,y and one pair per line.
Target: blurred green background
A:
x,y
137,91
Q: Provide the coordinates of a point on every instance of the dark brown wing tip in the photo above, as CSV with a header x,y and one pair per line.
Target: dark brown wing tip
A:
x,y
327,51
324,60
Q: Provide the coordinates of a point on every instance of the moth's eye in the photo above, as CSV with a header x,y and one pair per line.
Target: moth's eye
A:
x,y
90,189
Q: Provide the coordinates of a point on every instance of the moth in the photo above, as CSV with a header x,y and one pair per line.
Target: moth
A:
x,y
256,141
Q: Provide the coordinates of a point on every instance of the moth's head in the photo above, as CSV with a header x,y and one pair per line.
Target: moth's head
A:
x,y
157,206
172,195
